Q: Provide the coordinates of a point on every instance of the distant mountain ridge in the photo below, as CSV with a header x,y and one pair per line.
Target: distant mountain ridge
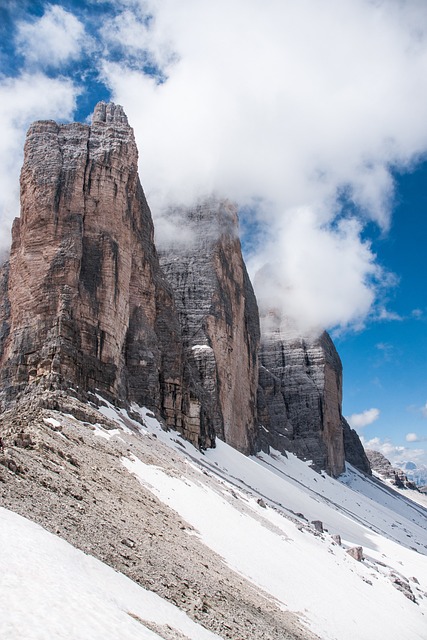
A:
x,y
383,467
88,306
415,473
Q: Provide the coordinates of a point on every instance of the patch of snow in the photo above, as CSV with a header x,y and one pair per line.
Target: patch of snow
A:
x,y
49,589
305,571
105,433
52,422
278,549
147,416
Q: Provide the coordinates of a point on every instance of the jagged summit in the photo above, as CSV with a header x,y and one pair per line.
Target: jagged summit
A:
x,y
109,112
383,467
88,307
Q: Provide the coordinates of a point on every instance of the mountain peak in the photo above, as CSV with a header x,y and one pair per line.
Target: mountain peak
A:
x,y
109,112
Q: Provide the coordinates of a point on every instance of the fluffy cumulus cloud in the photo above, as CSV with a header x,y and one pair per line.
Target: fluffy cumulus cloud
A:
x,y
412,437
22,100
51,40
296,109
360,420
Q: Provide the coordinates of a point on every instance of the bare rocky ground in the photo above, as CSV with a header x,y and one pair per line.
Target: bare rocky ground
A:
x,y
72,482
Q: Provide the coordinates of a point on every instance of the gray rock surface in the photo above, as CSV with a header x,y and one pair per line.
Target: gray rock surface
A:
x,y
385,470
4,305
218,315
353,449
299,397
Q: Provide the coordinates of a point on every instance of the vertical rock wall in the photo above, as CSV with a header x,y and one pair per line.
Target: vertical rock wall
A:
x,y
219,321
88,305
353,449
4,306
299,397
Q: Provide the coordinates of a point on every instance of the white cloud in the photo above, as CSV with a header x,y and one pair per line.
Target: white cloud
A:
x,y
130,32
52,40
360,420
396,454
412,437
385,314
335,263
291,107
22,100
424,410
291,110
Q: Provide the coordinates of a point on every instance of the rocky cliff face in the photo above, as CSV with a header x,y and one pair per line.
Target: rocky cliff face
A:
x,y
87,305
353,449
383,467
219,321
4,305
299,398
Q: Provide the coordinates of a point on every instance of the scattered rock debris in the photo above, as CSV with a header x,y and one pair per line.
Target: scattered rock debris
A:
x,y
73,483
356,553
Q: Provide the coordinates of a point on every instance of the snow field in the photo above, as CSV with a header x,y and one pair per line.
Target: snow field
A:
x,y
49,589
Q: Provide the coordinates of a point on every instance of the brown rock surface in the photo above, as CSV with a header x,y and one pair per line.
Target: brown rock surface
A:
x,y
356,553
84,304
87,305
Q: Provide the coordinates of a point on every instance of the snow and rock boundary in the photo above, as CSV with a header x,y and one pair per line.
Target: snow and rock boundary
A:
x,y
228,539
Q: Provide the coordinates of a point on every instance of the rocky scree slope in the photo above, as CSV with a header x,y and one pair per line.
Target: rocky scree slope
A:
x,y
238,543
66,474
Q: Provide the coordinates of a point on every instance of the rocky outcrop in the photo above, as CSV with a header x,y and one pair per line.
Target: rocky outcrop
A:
x,y
353,449
299,397
219,321
87,306
383,467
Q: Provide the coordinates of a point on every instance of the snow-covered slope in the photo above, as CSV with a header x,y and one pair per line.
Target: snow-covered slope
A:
x,y
339,597
256,514
49,589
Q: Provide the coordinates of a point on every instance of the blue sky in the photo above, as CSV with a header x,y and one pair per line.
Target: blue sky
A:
x,y
311,116
385,365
